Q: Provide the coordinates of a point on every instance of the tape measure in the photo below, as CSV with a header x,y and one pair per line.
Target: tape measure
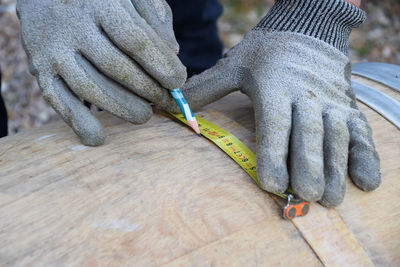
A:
x,y
246,159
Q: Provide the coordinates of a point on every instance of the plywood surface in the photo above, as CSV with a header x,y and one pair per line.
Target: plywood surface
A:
x,y
156,194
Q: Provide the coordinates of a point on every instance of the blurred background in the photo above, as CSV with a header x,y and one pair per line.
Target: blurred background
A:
x,y
377,40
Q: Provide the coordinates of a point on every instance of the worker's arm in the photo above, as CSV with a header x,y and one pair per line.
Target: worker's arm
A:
x,y
113,54
294,66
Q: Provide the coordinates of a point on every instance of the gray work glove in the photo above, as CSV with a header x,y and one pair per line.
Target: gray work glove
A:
x,y
294,67
113,54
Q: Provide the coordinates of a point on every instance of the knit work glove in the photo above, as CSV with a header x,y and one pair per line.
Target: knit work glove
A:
x,y
294,67
119,55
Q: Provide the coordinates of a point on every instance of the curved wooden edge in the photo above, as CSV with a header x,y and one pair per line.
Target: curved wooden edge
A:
x,y
363,230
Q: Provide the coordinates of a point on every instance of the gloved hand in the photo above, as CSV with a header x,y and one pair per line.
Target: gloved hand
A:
x,y
294,67
113,54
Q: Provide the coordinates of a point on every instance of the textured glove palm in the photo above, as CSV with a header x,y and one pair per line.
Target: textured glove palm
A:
x,y
309,129
113,54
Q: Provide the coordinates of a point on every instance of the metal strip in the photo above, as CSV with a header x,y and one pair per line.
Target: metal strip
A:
x,y
385,105
387,74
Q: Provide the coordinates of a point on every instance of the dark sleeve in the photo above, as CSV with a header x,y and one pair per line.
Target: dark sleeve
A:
x,y
195,27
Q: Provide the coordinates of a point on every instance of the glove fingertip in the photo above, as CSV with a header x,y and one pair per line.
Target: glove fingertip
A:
x,y
92,139
274,181
91,136
307,178
330,203
309,192
141,114
364,167
176,78
367,179
307,185
332,196
271,185
89,130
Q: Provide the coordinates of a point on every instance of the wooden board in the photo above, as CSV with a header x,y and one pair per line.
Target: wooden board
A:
x,y
156,194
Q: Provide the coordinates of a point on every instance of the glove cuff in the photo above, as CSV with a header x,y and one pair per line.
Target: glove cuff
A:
x,y
328,20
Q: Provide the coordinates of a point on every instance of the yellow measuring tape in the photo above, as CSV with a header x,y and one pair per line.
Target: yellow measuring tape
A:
x,y
246,159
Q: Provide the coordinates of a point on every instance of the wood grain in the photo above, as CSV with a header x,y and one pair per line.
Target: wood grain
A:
x,y
156,194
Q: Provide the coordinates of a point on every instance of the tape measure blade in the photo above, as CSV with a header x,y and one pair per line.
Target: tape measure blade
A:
x,y
232,146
